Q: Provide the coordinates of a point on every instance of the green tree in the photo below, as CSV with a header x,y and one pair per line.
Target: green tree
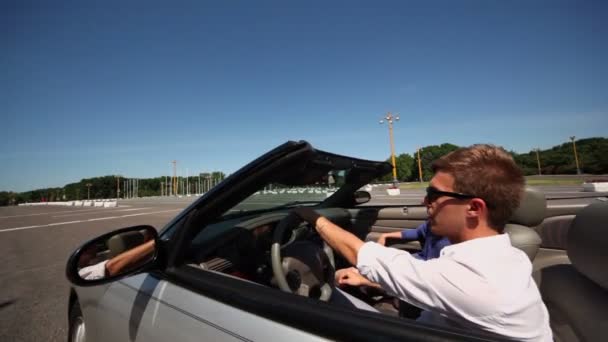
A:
x,y
403,164
428,154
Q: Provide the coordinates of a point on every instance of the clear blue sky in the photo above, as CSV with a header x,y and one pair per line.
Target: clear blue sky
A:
x,y
90,90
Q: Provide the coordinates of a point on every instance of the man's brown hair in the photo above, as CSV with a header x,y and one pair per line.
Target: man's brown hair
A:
x,y
487,172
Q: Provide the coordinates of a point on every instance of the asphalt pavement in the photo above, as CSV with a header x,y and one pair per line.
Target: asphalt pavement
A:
x,y
35,243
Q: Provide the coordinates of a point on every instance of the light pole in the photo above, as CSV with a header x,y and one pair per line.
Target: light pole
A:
x,y
578,170
117,187
89,191
538,160
390,118
174,180
419,165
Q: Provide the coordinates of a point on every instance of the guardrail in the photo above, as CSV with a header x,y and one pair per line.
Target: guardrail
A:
x,y
596,187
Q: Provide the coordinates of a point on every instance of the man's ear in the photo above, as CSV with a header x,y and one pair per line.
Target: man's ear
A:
x,y
476,206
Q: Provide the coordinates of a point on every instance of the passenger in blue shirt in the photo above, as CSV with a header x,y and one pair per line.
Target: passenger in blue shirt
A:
x,y
431,243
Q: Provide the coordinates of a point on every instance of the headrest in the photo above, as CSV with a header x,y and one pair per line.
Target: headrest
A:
x,y
524,238
531,210
123,242
588,243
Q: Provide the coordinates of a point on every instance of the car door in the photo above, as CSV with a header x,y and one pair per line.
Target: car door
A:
x,y
369,222
147,307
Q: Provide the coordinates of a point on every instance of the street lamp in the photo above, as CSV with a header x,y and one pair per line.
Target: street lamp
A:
x,y
89,191
390,118
118,187
578,170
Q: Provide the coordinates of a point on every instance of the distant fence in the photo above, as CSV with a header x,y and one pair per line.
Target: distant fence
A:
x,y
105,203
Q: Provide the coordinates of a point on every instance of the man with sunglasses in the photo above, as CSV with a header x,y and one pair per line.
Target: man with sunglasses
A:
x,y
480,281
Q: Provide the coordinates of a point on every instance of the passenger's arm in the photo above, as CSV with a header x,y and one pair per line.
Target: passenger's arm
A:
x,y
391,235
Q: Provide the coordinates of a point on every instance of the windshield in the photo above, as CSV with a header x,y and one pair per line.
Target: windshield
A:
x,y
305,177
279,195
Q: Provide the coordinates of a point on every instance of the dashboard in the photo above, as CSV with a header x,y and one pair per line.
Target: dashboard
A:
x,y
241,248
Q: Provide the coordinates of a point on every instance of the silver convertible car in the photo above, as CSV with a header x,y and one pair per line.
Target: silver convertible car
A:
x,y
237,266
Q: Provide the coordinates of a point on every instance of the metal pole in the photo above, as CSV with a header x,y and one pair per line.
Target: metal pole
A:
x,y
538,160
390,119
578,170
390,132
175,176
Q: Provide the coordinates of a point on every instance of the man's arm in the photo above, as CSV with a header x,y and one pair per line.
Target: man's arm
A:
x,y
129,258
441,284
351,276
391,235
337,238
413,234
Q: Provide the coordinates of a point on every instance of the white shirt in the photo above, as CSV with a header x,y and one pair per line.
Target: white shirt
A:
x,y
484,283
93,272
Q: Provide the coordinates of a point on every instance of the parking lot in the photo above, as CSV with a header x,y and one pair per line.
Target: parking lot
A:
x,y
35,243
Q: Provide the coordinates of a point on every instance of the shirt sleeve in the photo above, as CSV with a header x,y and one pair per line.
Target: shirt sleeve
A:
x,y
441,285
413,234
93,272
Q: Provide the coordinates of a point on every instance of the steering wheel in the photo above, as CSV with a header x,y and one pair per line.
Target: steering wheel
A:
x,y
301,267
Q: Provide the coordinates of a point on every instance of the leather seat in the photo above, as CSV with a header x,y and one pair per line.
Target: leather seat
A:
x,y
530,213
123,242
576,294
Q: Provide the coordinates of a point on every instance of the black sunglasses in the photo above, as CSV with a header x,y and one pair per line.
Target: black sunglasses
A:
x,y
432,194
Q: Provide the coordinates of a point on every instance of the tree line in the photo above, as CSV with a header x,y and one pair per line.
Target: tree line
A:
x,y
592,157
559,160
110,186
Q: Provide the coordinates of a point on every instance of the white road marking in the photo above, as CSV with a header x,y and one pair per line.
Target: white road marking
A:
x,y
80,221
55,212
102,218
60,223
87,213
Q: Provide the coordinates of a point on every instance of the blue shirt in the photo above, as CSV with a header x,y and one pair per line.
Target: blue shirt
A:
x,y
432,243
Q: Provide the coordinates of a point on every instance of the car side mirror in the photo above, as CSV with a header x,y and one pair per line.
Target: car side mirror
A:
x,y
113,255
362,197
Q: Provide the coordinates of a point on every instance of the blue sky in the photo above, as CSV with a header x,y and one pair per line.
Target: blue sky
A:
x,y
97,89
